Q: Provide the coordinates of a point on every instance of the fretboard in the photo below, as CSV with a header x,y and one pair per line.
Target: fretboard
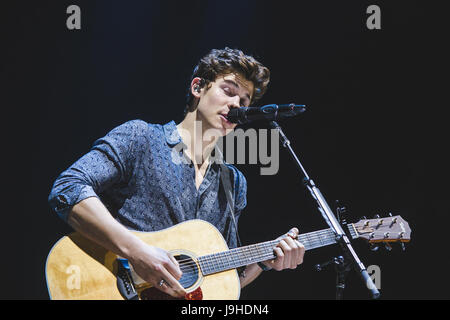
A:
x,y
254,253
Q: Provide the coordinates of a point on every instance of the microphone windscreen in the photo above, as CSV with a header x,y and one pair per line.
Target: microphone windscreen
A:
x,y
235,114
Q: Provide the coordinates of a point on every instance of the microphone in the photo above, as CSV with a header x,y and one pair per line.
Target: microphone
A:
x,y
268,112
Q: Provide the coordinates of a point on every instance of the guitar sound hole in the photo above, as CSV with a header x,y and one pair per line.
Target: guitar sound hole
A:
x,y
189,269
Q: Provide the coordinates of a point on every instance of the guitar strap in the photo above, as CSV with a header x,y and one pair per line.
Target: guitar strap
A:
x,y
226,175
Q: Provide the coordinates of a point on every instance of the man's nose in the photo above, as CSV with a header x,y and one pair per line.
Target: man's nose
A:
x,y
234,103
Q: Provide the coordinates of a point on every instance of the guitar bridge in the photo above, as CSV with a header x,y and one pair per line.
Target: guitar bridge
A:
x,y
125,283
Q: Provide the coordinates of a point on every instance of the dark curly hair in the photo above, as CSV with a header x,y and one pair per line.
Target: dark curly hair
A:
x,y
224,61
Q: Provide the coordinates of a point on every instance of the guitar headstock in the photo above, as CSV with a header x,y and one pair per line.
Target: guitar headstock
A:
x,y
383,229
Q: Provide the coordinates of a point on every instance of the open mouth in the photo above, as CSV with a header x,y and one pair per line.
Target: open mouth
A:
x,y
224,117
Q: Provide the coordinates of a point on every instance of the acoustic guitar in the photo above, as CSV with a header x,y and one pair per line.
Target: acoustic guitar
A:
x,y
78,268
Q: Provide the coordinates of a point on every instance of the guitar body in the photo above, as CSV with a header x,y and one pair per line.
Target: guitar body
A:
x,y
78,268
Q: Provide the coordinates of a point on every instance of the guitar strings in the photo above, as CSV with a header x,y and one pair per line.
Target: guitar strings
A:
x,y
316,234
192,271
208,264
211,261
311,242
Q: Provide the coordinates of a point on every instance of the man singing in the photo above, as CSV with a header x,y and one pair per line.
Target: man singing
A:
x,y
130,181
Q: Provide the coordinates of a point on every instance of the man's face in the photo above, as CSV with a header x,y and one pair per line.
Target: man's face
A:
x,y
228,91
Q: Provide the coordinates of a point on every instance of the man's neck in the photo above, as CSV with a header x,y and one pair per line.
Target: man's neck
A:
x,y
199,139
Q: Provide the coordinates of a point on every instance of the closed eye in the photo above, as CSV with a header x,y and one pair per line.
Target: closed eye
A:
x,y
231,93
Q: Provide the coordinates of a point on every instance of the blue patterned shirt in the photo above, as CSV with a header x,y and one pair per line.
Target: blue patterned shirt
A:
x,y
135,170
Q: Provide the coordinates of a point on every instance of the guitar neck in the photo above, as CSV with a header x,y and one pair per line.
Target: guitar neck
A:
x,y
259,252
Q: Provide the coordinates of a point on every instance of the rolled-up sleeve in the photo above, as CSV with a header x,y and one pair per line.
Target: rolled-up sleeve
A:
x,y
109,162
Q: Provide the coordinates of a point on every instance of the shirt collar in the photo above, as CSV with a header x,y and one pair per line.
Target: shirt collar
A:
x,y
171,133
173,138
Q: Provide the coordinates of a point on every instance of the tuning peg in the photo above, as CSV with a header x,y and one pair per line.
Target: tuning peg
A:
x,y
402,245
390,214
387,246
341,209
377,216
374,247
393,221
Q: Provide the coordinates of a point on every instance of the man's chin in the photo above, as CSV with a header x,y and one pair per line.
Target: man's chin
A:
x,y
218,127
221,131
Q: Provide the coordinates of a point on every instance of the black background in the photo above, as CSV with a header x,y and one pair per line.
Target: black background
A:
x,y
374,135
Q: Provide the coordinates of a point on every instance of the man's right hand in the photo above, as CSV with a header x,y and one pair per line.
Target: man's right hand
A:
x,y
93,220
153,264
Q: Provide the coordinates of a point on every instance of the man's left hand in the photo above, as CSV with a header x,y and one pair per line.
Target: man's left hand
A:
x,y
289,252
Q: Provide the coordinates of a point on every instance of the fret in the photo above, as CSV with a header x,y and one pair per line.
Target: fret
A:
x,y
245,256
204,265
220,264
310,242
253,252
223,261
327,236
321,239
315,240
240,255
229,259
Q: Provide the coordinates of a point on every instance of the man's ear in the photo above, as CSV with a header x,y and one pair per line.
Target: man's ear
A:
x,y
196,86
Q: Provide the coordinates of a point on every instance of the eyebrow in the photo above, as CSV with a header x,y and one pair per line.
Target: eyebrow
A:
x,y
235,84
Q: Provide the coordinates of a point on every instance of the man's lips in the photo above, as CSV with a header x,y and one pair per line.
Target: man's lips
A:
x,y
224,117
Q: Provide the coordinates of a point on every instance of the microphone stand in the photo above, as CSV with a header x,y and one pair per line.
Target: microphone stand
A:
x,y
329,217
341,267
